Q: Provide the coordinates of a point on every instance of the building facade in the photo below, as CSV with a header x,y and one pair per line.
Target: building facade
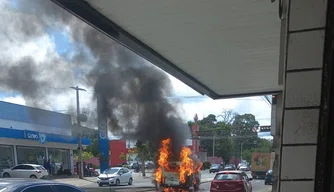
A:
x,y
30,135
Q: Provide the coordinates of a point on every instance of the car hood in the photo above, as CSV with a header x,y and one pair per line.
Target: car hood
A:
x,y
109,175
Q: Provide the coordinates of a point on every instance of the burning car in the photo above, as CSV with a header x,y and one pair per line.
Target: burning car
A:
x,y
177,174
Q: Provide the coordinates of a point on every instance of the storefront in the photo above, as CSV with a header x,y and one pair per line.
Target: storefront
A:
x,y
22,146
36,136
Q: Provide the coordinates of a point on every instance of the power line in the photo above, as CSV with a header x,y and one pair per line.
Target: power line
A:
x,y
265,100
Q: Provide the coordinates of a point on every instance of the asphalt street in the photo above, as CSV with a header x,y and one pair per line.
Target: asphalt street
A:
x,y
142,183
258,186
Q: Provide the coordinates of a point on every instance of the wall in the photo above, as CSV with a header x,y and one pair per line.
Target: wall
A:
x,y
116,148
29,118
305,34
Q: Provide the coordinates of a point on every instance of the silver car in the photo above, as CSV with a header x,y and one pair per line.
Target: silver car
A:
x,y
115,176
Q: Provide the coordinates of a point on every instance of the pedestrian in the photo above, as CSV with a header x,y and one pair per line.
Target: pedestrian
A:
x,y
49,165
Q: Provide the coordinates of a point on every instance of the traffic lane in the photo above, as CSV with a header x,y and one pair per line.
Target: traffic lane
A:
x,y
258,186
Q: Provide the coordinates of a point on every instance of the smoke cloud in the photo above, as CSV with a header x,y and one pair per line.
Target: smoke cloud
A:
x,y
134,92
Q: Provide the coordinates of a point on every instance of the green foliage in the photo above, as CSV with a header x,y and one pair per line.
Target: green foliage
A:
x,y
206,165
263,146
85,156
144,150
122,156
233,130
210,126
94,146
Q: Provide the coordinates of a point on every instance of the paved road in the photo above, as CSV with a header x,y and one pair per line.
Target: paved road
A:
x,y
258,186
139,183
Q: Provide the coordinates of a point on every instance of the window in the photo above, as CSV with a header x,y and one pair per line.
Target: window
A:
x,y
63,188
125,170
19,167
228,176
59,157
43,188
30,155
28,167
7,157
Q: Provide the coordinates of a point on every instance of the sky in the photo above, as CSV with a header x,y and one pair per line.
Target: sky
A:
x,y
60,45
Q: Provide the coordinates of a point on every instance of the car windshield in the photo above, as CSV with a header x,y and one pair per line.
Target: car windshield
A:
x,y
228,166
214,165
228,176
110,171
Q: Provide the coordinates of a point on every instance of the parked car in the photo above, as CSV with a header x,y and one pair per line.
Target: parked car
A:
x,y
26,171
215,168
269,179
149,165
231,181
244,168
115,176
33,185
230,167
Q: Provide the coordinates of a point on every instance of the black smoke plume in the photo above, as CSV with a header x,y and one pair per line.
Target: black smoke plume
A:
x,y
134,92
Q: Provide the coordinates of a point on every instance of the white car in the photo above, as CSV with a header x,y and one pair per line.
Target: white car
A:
x,y
25,171
115,176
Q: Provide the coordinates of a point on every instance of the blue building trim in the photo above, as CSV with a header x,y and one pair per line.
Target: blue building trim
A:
x,y
21,113
40,136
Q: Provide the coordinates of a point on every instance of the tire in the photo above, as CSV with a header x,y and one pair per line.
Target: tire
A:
x,y
6,175
33,177
100,185
130,181
117,182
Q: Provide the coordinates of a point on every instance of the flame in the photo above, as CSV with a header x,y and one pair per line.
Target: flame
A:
x,y
187,164
164,153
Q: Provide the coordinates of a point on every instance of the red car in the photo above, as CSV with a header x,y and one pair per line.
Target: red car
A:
x,y
231,181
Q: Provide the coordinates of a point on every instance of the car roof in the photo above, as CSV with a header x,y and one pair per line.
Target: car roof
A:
x,y
16,183
34,165
233,171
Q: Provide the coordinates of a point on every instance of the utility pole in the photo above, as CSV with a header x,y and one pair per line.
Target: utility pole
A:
x,y
213,149
80,168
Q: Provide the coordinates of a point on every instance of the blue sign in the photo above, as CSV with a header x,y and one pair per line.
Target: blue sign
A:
x,y
41,137
103,134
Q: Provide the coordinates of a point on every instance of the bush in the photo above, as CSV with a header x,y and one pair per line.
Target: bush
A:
x,y
206,165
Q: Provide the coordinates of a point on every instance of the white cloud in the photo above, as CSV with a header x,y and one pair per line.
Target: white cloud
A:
x,y
17,100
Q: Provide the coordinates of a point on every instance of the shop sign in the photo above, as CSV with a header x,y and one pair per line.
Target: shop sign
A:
x,y
31,135
36,136
42,138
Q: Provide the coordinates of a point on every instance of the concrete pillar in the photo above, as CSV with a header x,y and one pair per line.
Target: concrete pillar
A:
x,y
71,161
302,96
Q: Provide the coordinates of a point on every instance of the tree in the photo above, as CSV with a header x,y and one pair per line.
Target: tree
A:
x,y
122,156
144,153
209,127
94,146
263,146
228,116
85,156
243,132
244,124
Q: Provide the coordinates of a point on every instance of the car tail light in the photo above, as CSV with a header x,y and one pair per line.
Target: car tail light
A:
x,y
38,171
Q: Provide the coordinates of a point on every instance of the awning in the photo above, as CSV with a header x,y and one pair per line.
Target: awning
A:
x,y
220,48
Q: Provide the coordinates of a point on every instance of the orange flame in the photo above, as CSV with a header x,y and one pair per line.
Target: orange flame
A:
x,y
187,165
163,159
